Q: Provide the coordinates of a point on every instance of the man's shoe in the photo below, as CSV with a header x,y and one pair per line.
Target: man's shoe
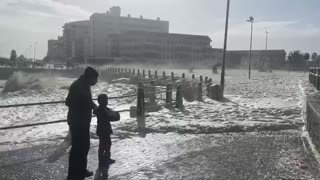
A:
x,y
75,178
88,173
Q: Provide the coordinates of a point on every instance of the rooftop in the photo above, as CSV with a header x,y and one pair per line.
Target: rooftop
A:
x,y
144,33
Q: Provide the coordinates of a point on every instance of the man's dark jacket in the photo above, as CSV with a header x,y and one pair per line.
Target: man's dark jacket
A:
x,y
79,101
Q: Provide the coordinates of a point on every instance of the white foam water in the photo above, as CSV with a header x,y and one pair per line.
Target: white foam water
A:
x,y
25,81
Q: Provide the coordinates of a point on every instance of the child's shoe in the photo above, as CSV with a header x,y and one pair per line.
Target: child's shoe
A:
x,y
111,161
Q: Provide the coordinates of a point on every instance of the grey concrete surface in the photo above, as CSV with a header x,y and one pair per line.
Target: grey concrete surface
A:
x,y
264,155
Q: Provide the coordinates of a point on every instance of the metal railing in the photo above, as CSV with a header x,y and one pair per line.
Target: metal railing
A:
x,y
55,102
314,77
65,120
143,93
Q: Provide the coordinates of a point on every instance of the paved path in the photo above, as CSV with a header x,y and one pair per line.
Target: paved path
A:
x,y
277,155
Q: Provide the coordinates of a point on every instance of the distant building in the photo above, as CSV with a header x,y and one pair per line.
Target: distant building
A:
x,y
73,45
104,24
155,46
76,40
110,36
275,59
213,57
56,50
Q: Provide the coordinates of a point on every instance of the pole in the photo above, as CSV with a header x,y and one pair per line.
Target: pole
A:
x,y
267,39
140,108
30,51
179,98
224,50
250,50
169,96
34,51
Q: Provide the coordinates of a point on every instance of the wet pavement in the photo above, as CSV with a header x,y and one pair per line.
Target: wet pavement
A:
x,y
235,156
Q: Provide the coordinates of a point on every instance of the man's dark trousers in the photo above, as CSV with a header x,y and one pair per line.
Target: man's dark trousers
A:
x,y
80,147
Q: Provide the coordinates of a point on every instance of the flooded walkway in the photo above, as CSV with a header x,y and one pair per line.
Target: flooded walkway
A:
x,y
171,156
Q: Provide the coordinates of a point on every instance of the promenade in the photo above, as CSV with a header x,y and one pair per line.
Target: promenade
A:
x,y
209,140
279,155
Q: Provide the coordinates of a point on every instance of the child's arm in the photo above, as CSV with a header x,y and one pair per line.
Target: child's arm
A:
x,y
95,111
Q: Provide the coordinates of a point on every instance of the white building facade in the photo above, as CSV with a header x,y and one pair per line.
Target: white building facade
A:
x,y
104,24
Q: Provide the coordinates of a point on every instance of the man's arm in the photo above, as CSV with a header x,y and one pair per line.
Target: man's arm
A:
x,y
67,101
79,97
70,98
93,105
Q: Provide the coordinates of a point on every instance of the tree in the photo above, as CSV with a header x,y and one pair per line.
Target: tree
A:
x,y
306,56
314,56
315,59
13,56
46,59
297,60
318,60
4,61
21,58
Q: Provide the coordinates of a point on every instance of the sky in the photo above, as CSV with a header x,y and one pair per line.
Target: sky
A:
x,y
292,24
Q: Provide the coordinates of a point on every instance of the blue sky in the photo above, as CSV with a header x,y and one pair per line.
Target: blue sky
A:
x,y
293,24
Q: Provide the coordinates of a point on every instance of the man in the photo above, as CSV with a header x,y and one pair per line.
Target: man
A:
x,y
80,104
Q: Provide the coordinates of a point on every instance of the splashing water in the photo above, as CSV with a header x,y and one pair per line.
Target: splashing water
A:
x,y
26,81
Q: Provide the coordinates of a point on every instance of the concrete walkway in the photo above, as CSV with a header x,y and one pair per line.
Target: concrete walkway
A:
x,y
266,155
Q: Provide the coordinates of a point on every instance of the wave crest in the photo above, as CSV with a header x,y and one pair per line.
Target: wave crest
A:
x,y
27,81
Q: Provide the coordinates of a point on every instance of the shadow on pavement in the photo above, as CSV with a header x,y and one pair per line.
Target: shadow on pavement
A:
x,y
21,163
60,150
102,173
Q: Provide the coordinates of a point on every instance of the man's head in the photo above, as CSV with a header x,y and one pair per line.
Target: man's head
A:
x,y
103,99
91,76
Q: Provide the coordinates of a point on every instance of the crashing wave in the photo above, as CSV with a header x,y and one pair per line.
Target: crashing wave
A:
x,y
26,81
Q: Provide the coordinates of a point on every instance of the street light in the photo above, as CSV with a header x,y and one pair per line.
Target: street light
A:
x,y
267,33
34,51
251,20
30,52
224,51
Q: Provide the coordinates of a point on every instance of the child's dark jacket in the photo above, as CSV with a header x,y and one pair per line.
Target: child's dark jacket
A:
x,y
105,115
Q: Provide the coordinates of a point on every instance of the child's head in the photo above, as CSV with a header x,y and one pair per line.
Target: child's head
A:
x,y
103,99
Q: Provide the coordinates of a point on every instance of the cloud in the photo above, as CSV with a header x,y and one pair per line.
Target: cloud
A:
x,y
23,22
46,8
287,35
276,28
38,15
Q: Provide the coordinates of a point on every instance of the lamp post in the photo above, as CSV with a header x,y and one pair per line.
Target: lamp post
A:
x,y
267,33
251,20
224,51
34,51
30,52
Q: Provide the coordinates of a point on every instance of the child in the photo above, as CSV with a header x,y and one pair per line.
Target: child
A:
x,y
105,115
